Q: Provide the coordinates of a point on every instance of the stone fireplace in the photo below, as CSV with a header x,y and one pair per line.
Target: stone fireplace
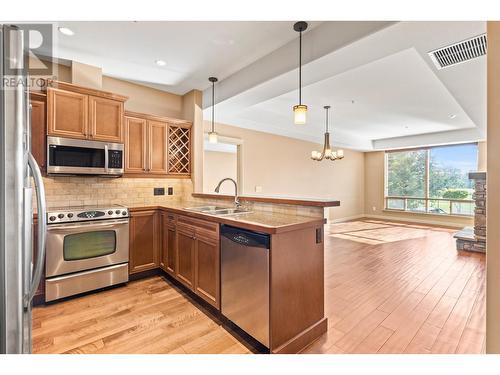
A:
x,y
474,239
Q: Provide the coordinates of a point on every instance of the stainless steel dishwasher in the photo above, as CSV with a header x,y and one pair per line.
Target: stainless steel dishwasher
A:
x,y
245,280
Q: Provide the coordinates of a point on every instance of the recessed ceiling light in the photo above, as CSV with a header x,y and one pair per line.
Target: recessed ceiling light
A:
x,y
66,31
452,116
160,63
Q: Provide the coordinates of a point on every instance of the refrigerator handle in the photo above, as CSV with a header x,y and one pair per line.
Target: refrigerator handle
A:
x,y
42,227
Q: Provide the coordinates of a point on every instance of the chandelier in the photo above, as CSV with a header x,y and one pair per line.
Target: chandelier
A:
x,y
327,153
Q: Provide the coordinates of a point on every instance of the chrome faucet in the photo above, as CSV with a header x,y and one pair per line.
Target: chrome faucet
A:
x,y
236,199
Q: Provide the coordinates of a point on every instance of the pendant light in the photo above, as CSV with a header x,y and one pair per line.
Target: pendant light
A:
x,y
212,136
300,110
327,153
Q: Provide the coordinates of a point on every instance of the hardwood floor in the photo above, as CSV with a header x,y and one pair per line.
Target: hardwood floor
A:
x,y
145,316
401,288
390,288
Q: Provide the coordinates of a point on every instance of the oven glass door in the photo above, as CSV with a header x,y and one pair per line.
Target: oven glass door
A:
x,y
74,247
87,245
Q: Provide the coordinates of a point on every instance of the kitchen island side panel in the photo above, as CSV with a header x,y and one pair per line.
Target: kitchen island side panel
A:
x,y
297,288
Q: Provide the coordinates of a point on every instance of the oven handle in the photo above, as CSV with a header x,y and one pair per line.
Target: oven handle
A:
x,y
87,225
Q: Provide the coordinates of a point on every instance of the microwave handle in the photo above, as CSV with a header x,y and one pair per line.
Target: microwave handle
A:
x,y
106,159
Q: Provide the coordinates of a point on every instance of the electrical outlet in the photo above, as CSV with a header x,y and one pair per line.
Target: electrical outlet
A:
x,y
258,189
170,190
374,208
159,191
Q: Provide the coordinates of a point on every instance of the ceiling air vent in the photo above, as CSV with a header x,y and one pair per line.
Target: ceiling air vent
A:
x,y
459,52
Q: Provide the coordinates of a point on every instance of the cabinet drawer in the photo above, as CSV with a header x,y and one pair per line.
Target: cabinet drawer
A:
x,y
200,227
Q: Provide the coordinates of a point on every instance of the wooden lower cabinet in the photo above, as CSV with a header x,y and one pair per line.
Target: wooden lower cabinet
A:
x,y
168,258
144,241
207,275
185,256
190,253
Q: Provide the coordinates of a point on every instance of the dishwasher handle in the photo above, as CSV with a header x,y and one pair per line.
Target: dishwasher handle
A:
x,y
245,237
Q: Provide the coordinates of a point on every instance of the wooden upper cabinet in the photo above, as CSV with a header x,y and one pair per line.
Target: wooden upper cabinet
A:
x,y
67,114
165,150
157,146
106,119
39,129
78,112
135,145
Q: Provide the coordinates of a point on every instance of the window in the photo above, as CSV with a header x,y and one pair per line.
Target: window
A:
x,y
431,180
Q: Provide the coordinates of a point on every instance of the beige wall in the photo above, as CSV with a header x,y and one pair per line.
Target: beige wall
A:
x,y
482,156
282,167
145,99
192,111
86,75
216,166
493,188
374,197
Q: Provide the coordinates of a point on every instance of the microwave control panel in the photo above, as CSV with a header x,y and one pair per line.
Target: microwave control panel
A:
x,y
115,158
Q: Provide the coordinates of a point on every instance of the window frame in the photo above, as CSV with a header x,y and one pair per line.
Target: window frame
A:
x,y
426,197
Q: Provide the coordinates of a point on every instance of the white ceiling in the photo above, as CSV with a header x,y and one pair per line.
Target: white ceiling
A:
x,y
193,51
400,98
377,76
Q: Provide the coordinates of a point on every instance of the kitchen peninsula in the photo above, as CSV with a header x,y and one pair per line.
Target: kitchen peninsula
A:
x,y
189,247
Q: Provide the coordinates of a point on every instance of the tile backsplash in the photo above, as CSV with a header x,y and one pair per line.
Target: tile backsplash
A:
x,y
75,191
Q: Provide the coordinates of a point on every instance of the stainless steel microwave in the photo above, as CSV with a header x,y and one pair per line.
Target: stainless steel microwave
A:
x,y
81,157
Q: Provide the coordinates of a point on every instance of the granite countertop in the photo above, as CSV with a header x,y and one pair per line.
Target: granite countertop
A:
x,y
312,202
263,221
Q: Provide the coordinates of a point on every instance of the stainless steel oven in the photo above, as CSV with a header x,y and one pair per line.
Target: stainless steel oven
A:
x,y
78,156
87,249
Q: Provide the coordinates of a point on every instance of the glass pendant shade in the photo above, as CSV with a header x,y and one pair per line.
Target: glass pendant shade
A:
x,y
212,137
340,154
299,114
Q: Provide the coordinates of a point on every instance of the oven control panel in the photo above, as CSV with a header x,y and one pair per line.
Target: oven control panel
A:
x,y
86,214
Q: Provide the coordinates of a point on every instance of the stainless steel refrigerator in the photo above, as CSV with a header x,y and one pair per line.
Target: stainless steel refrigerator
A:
x,y
19,273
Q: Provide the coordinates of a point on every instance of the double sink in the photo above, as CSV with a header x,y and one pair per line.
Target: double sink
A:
x,y
218,211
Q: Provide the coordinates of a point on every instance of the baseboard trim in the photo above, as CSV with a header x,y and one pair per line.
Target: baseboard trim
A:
x,y
416,221
344,219
303,339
